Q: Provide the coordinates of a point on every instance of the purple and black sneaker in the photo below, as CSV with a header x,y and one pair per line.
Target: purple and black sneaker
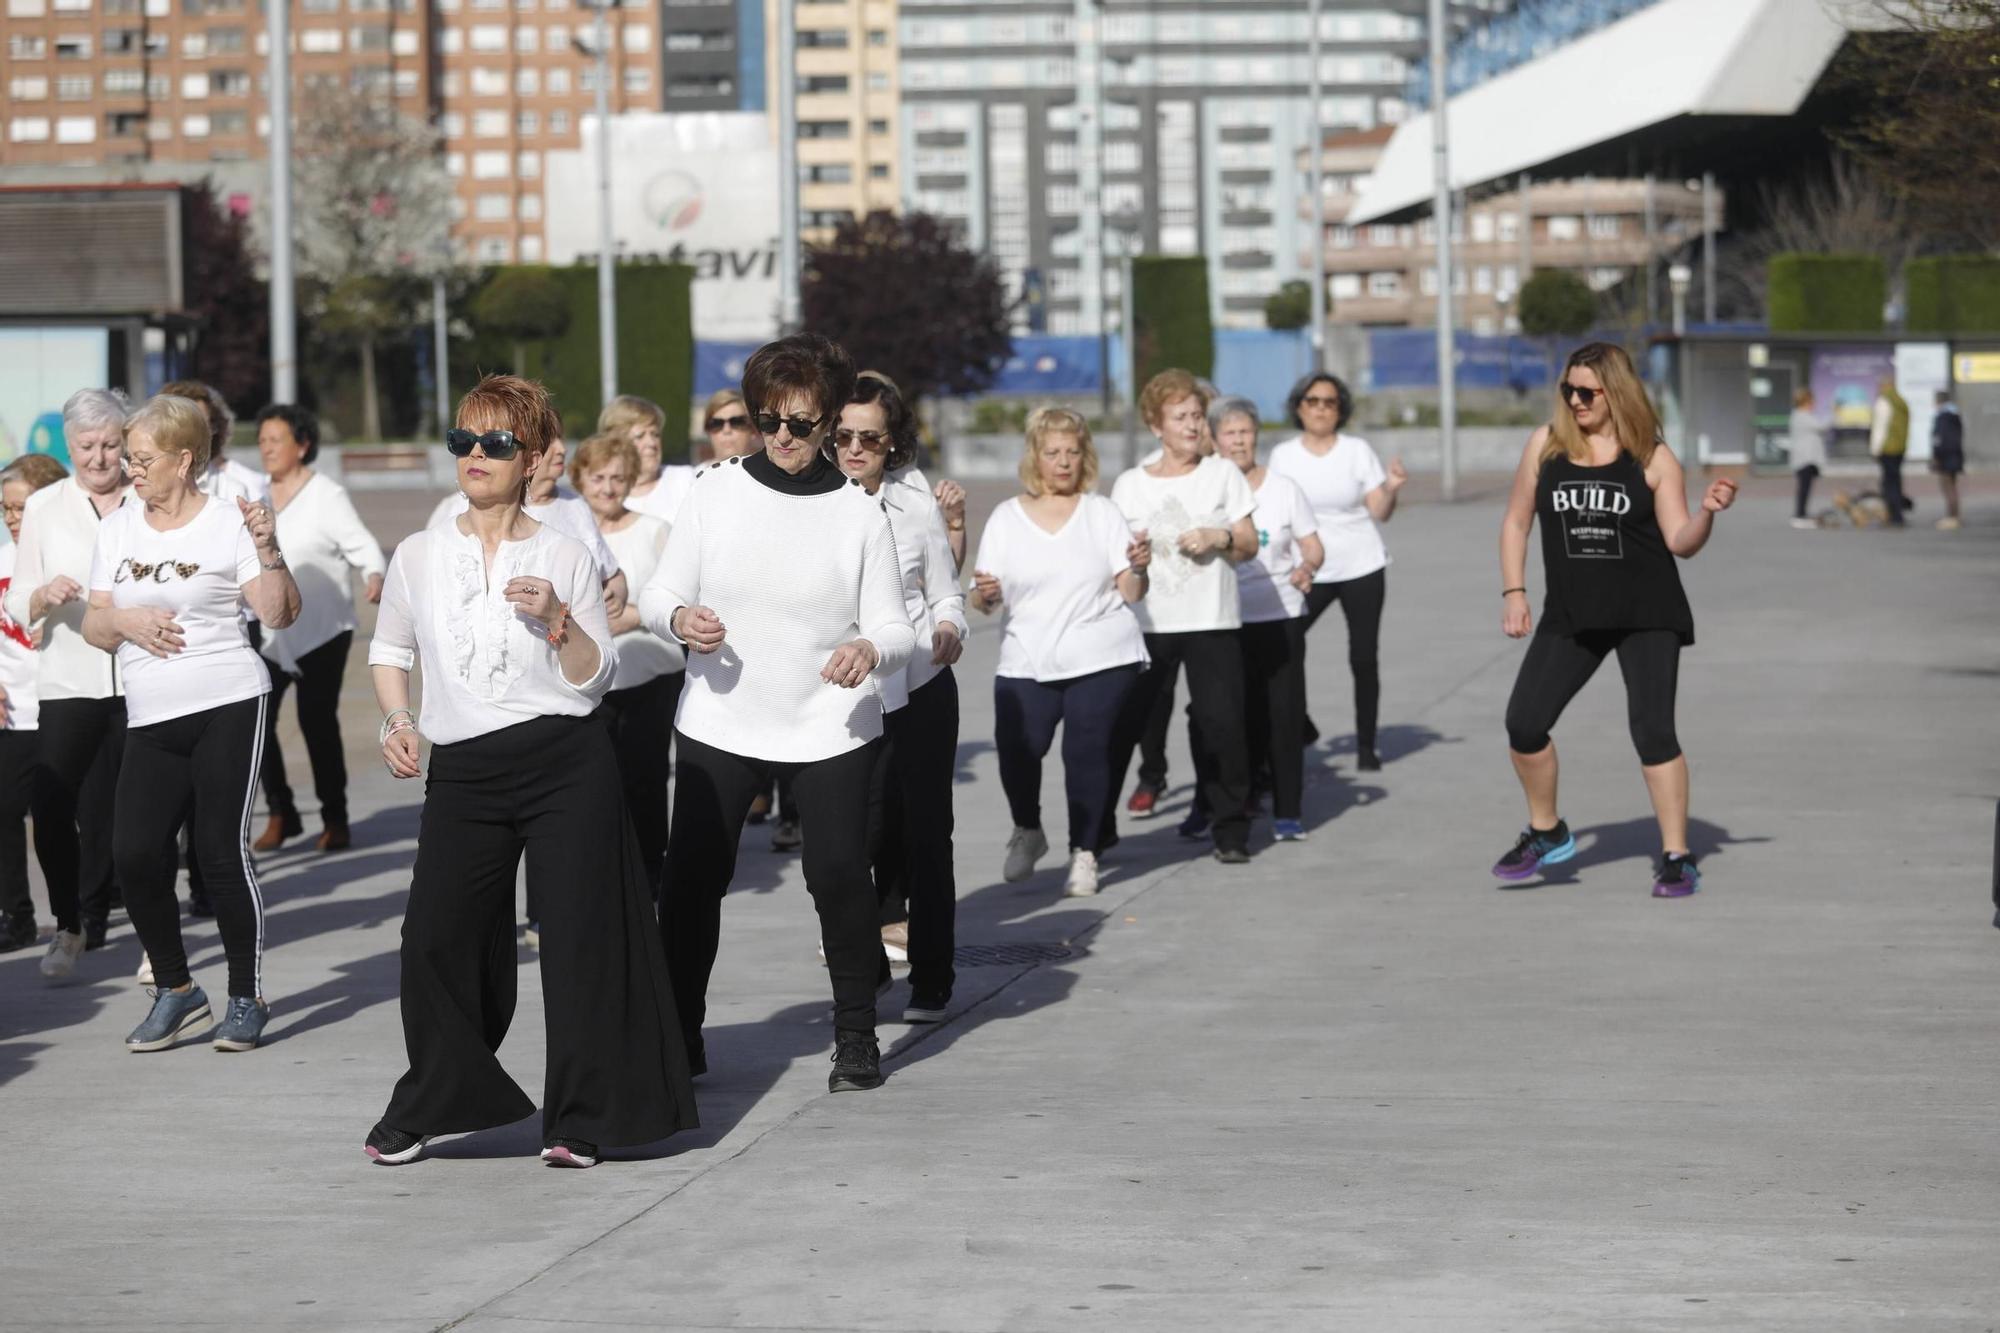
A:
x,y
1535,850
1678,877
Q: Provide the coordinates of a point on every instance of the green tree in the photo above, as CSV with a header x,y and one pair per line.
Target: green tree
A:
x,y
522,304
1556,303
232,347
908,297
1290,307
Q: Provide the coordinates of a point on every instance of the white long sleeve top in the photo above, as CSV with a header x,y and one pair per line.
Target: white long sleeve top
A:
x,y
567,514
642,654
931,595
59,536
486,666
792,576
323,540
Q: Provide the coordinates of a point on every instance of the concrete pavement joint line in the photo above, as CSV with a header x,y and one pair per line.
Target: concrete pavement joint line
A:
x,y
1464,681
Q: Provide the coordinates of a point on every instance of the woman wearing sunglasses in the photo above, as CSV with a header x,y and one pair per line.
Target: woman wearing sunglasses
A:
x,y
1612,500
1351,493
781,579
726,422
507,617
876,445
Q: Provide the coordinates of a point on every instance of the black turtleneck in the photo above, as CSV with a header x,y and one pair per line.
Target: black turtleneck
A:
x,y
819,477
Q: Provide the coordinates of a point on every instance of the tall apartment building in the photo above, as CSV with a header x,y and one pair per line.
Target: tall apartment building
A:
x,y
1385,274
846,66
111,90
1205,111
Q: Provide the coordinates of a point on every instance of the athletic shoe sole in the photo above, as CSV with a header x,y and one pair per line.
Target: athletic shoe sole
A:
x,y
1555,856
564,1157
226,1044
194,1024
1688,886
897,953
850,1084
912,1014
410,1154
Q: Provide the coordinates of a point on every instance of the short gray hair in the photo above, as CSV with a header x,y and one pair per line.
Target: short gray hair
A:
x,y
96,409
1236,405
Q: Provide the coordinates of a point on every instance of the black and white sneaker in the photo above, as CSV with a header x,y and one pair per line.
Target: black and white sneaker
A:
x,y
392,1147
571,1153
927,1007
857,1062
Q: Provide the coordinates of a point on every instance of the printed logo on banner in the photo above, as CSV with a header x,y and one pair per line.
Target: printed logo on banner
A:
x,y
1590,511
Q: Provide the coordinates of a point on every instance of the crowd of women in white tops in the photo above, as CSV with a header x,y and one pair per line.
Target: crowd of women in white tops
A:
x,y
569,637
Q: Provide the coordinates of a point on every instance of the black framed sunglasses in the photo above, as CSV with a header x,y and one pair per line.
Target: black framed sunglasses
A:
x,y
498,445
801,427
737,422
1577,393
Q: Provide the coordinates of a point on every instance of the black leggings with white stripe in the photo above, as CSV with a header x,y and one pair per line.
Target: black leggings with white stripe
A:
x,y
210,759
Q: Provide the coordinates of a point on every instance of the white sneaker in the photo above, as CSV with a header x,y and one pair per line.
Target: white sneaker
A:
x,y
64,949
1806,524
144,976
1027,846
1082,876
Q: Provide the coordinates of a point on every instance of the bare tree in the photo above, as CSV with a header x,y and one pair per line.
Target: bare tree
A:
x,y
1849,210
374,206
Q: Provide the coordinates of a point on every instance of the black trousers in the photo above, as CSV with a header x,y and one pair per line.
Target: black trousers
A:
x,y
1361,602
1215,703
1153,741
24,790
1026,714
712,794
1558,665
642,728
1892,487
912,826
320,675
205,763
1274,713
1805,476
83,743
617,1072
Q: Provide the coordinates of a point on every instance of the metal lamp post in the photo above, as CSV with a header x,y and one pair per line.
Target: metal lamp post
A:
x,y
1441,215
284,309
1679,278
607,273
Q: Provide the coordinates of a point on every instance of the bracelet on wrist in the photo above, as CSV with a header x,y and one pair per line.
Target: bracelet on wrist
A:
x,y
1505,593
397,719
559,627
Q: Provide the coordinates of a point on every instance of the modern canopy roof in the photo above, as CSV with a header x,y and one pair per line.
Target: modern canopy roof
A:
x,y
1648,80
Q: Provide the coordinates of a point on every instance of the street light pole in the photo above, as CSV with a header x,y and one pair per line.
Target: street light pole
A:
x,y
1679,278
1708,227
1315,137
790,275
284,309
1441,214
1090,163
607,277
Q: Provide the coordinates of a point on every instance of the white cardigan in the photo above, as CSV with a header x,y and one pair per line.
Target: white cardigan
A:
x,y
931,594
323,539
59,536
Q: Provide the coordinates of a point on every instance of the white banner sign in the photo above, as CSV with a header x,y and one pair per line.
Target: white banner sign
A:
x,y
697,188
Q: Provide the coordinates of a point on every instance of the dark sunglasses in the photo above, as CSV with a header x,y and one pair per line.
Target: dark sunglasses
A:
x,y
1576,393
1316,400
498,445
737,422
801,427
870,439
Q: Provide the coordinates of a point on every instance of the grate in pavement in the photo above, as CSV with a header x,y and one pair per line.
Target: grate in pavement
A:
x,y
1008,955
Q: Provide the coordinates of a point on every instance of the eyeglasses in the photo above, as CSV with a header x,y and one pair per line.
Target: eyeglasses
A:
x,y
498,445
870,439
1576,393
800,427
1319,400
141,464
737,422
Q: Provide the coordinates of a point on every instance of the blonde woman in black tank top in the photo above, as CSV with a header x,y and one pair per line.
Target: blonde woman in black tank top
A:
x,y
1613,503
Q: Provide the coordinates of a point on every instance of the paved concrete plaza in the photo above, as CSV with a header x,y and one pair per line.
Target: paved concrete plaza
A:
x,y
1354,1085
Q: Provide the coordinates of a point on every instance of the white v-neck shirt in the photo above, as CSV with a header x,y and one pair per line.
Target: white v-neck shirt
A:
x,y
1337,485
1064,614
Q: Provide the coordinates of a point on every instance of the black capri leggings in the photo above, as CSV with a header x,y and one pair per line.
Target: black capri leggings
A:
x,y
1558,665
1361,603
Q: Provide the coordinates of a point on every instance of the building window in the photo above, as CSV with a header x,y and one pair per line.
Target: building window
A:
x,y
531,208
229,82
558,123
1563,227
493,208
1345,286
527,82
320,41
823,83
558,82
454,164
1382,234
878,171
878,81
452,124
488,165
28,48
194,87
835,38
526,39
558,37
123,81
1482,279
531,249
404,41
33,88
72,48
830,173
824,129
1341,237
194,127
1604,228
74,88
488,37
1427,281
495,250
28,129
639,36
125,124
228,123
489,81
1510,226
1482,227
878,36
878,127
489,124
1388,284
225,41
638,80
527,124
406,83
26,9
528,166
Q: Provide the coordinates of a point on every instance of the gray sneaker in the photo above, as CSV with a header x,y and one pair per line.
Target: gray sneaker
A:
x,y
177,1016
1024,848
242,1024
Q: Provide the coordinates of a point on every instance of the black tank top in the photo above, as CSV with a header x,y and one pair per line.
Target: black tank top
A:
x,y
1606,564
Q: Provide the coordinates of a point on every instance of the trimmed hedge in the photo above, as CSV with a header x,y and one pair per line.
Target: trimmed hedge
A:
x,y
1953,294
1826,293
655,348
1170,315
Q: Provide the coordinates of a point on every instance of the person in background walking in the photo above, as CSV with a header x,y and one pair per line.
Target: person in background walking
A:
x,y
650,672
1195,510
507,617
224,477
781,577
1807,453
1948,456
324,539
875,443
1888,442
1272,591
656,490
24,786
80,690
1612,501
168,585
726,423
1067,567
1351,494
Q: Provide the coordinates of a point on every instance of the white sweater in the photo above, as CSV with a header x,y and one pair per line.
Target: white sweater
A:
x,y
59,536
791,577
323,539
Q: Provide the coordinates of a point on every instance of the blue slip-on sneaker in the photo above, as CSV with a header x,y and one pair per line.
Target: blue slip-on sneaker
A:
x,y
242,1024
177,1016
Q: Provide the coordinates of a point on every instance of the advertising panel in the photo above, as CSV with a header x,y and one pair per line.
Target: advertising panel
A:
x,y
697,188
39,369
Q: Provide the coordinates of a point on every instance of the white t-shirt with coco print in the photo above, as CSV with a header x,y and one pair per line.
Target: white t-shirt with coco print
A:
x,y
1185,594
1265,583
196,574
1337,483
